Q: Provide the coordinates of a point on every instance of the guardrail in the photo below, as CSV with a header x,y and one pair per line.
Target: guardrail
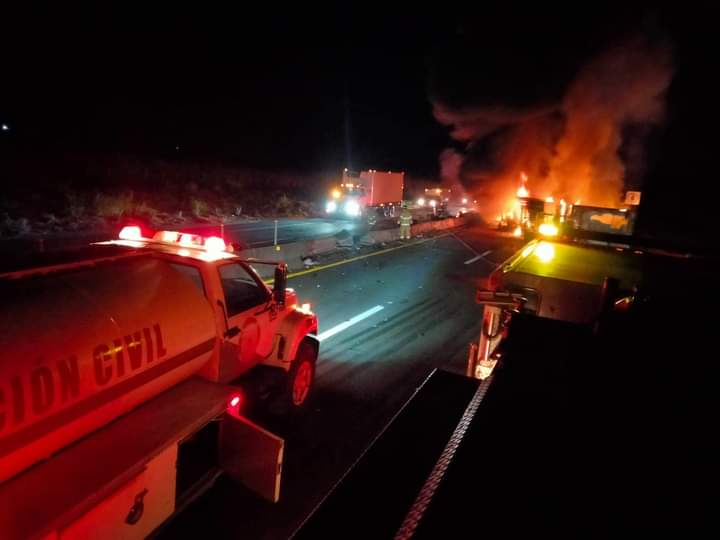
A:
x,y
294,253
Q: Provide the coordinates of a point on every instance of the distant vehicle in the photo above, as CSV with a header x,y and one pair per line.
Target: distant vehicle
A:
x,y
358,192
115,402
620,221
444,202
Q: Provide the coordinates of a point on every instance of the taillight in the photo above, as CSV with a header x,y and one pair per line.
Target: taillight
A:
x,y
235,403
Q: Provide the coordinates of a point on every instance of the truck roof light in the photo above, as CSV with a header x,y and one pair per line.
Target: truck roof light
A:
x,y
130,232
167,236
214,244
190,240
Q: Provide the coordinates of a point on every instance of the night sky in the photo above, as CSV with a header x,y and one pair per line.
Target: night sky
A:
x,y
278,91
318,89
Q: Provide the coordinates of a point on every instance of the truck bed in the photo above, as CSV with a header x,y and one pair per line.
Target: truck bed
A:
x,y
61,489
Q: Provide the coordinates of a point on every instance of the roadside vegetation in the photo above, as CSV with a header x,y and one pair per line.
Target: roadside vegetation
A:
x,y
98,195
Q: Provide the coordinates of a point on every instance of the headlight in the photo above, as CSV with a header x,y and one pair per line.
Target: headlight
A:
x,y
421,201
433,203
352,208
330,207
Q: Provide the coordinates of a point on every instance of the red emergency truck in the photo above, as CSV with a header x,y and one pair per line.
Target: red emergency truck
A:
x,y
116,407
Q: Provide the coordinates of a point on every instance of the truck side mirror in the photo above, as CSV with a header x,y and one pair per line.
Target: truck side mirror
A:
x,y
280,283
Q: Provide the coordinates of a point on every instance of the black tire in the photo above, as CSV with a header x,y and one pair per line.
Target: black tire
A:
x,y
300,379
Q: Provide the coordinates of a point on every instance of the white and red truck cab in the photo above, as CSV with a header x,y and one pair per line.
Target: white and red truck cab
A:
x,y
359,192
116,406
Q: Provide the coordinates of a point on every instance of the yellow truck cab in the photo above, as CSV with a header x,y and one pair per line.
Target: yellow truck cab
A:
x,y
563,272
117,366
564,281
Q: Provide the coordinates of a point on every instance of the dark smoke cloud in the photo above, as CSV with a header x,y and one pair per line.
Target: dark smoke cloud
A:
x,y
571,148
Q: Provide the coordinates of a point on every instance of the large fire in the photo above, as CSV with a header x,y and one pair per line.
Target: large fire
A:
x,y
517,213
587,146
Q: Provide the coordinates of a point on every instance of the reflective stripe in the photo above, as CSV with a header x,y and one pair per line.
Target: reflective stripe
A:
x,y
51,423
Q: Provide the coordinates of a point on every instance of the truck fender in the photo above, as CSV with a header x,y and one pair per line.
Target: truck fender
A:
x,y
295,327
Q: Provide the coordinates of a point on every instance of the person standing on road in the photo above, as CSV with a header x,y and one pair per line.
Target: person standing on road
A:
x,y
405,222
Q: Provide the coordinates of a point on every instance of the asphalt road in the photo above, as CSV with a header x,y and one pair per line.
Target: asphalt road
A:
x,y
413,310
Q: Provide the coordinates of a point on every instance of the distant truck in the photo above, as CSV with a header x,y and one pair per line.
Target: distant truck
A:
x,y
440,203
116,407
372,189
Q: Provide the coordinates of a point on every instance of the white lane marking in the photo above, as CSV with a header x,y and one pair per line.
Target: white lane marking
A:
x,y
464,243
347,324
478,257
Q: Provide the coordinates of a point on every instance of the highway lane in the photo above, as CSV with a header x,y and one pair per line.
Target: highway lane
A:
x,y
399,315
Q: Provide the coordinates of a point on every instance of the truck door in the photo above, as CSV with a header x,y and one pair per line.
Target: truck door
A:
x,y
249,307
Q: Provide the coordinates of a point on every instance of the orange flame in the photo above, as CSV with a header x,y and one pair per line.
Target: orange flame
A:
x,y
523,192
563,208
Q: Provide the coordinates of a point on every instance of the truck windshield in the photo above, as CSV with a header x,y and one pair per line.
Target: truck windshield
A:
x,y
355,191
242,291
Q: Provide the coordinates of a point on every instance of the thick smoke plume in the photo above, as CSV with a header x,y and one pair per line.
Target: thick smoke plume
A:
x,y
569,150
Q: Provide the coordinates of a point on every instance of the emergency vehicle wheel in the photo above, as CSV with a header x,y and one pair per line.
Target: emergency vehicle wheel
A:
x,y
301,376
